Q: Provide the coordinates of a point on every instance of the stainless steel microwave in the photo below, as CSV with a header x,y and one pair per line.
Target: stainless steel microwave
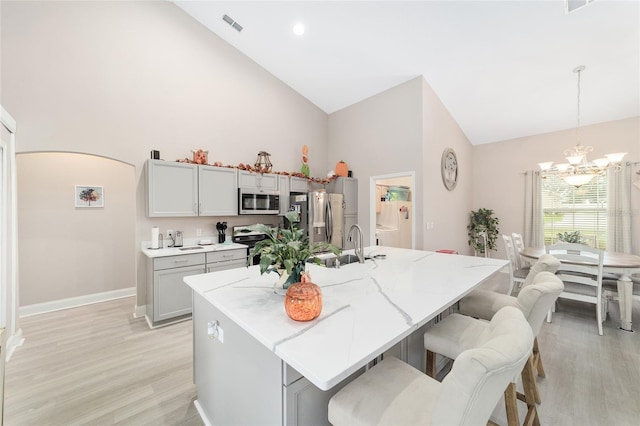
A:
x,y
255,201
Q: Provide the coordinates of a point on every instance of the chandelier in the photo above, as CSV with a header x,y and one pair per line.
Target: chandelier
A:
x,y
578,170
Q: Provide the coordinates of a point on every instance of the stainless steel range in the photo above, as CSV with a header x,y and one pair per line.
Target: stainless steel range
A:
x,y
245,235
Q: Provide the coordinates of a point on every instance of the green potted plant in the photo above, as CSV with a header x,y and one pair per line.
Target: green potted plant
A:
x,y
287,250
483,224
571,237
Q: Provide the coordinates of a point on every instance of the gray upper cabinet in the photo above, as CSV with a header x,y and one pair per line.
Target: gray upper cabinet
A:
x,y
218,194
172,189
298,184
284,194
265,182
180,190
348,187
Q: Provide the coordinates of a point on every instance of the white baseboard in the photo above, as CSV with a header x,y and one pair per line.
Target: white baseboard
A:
x,y
140,311
203,416
74,302
13,342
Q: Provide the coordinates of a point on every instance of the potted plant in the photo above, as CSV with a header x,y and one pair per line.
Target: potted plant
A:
x,y
483,229
571,237
287,250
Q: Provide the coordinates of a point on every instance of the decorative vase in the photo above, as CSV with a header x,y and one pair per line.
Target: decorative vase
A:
x,y
303,301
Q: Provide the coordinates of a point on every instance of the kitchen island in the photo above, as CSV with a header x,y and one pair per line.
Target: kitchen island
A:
x,y
254,365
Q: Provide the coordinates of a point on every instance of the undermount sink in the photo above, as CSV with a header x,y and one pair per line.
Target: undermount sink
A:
x,y
344,259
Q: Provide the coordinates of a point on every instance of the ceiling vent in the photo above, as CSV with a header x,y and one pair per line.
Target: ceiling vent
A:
x,y
572,5
229,20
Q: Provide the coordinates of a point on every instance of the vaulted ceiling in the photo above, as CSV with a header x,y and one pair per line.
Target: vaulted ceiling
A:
x,y
503,69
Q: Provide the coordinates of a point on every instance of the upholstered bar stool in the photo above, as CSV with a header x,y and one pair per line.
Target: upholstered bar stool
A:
x,y
394,393
484,304
457,333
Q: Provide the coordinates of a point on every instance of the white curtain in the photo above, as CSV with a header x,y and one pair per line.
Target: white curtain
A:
x,y
533,227
619,207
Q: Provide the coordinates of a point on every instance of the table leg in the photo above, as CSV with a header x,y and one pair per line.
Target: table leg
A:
x,y
625,297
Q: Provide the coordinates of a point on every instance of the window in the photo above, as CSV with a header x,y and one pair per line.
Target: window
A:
x,y
567,208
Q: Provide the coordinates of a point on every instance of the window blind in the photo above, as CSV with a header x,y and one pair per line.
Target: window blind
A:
x,y
567,208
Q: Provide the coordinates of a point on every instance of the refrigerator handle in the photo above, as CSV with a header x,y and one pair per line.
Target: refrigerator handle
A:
x,y
329,222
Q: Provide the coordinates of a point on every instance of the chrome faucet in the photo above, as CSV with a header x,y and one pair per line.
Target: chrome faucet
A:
x,y
357,244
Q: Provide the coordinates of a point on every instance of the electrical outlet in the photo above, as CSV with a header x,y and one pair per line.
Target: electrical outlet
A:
x,y
198,232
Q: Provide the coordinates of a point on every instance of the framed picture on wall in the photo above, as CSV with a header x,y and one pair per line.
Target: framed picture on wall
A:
x,y
89,196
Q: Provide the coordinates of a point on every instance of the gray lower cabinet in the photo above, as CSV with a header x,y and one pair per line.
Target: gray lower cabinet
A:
x,y
168,297
238,369
227,259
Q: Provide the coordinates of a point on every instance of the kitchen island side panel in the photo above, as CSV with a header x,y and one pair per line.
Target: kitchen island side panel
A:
x,y
239,380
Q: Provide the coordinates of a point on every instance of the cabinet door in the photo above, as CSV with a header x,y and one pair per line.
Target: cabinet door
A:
x,y
218,193
299,184
350,192
305,404
266,181
349,188
223,266
172,189
284,194
172,297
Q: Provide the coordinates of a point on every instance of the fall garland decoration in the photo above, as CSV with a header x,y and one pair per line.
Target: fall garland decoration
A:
x,y
200,157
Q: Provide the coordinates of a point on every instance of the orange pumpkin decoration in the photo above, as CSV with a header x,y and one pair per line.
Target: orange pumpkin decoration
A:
x,y
342,169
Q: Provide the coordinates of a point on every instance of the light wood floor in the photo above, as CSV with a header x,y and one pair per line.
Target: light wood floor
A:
x,y
97,365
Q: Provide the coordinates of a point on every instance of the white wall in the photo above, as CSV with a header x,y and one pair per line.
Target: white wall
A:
x,y
406,129
378,136
499,168
447,211
118,79
67,251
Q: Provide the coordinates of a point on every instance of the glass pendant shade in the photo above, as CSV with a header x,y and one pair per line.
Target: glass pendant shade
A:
x,y
578,180
616,157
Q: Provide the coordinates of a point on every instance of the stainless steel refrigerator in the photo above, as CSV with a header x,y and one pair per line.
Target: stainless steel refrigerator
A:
x,y
321,214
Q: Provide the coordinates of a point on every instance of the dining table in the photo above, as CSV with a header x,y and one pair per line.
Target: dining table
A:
x,y
622,265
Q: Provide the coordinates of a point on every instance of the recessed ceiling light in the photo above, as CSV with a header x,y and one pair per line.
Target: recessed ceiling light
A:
x,y
298,29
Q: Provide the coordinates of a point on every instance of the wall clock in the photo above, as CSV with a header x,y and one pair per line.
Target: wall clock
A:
x,y
449,169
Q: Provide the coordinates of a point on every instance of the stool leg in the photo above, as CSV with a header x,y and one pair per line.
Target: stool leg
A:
x,y
529,381
431,364
510,402
531,395
537,359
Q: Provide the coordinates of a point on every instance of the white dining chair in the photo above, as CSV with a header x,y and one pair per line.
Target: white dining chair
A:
x,y
458,332
581,271
394,393
517,275
518,245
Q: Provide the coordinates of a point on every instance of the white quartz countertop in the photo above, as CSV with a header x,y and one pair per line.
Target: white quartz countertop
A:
x,y
367,308
175,251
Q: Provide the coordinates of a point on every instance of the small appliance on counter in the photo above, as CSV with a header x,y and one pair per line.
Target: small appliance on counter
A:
x,y
221,227
177,241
